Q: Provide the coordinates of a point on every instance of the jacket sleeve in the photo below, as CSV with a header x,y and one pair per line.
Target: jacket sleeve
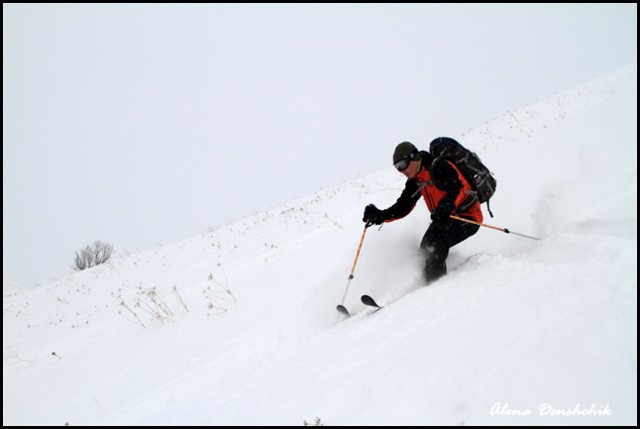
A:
x,y
445,177
405,203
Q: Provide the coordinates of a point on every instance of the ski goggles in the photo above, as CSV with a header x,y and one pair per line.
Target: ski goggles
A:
x,y
404,162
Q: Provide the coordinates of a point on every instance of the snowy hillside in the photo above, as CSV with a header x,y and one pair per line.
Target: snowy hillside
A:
x,y
237,326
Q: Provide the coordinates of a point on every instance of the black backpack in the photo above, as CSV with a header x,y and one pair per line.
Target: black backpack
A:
x,y
469,164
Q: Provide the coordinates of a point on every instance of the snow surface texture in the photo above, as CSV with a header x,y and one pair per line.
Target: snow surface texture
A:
x,y
238,325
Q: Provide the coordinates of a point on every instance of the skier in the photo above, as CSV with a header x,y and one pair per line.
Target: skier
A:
x,y
446,192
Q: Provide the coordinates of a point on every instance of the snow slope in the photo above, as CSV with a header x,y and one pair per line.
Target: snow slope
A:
x,y
238,325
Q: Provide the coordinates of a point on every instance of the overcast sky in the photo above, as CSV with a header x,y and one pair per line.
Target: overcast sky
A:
x,y
147,124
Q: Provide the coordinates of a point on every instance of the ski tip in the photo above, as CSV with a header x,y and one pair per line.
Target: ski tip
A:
x,y
342,309
367,300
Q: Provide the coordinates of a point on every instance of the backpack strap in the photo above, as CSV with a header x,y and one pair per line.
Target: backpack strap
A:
x,y
421,186
489,207
472,195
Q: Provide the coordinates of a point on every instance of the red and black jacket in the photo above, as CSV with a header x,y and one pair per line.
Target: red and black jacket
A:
x,y
441,185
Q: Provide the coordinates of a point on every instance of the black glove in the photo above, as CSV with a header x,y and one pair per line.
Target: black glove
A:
x,y
441,213
373,214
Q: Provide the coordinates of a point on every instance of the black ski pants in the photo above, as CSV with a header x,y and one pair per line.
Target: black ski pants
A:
x,y
439,238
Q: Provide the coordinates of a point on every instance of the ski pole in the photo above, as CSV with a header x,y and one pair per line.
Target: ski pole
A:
x,y
493,227
355,261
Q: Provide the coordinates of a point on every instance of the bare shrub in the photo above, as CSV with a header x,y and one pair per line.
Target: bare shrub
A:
x,y
97,253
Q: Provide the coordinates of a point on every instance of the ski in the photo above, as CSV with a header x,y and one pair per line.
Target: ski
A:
x,y
367,300
342,309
